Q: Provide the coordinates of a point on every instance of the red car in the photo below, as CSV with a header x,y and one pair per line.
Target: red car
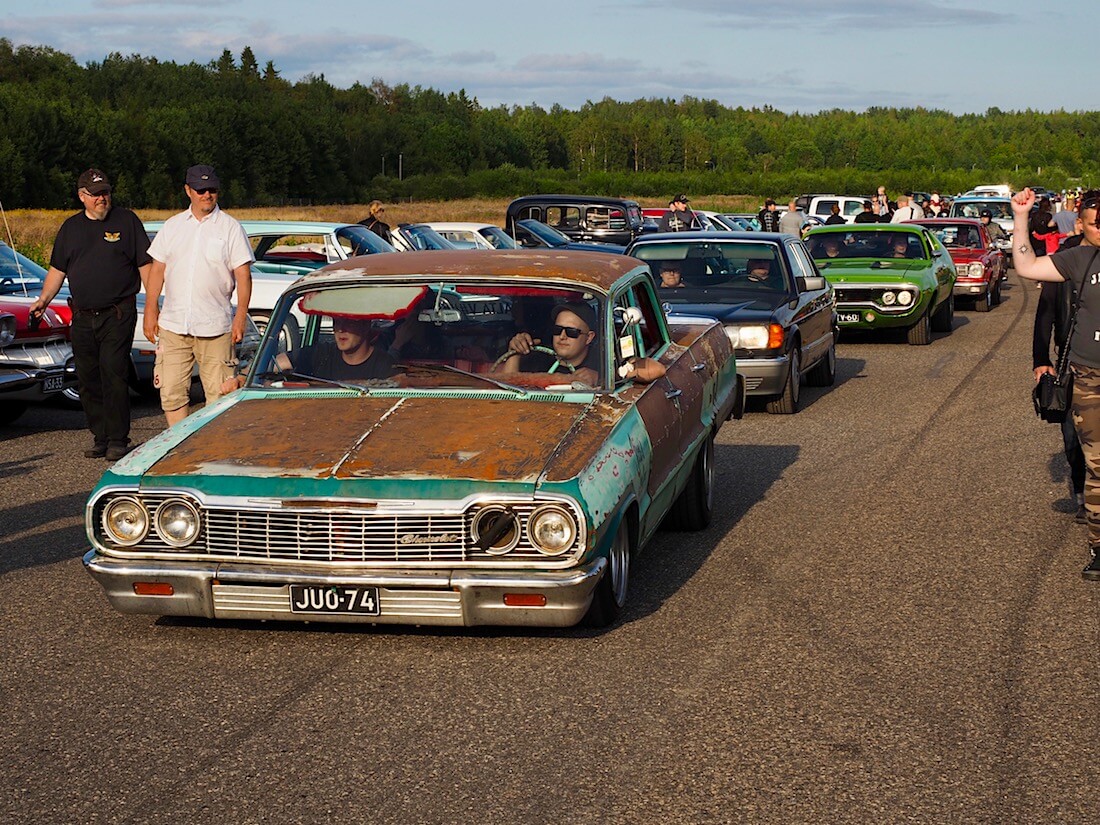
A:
x,y
36,361
979,265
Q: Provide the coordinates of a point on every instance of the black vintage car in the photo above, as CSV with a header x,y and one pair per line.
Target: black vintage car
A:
x,y
587,218
777,309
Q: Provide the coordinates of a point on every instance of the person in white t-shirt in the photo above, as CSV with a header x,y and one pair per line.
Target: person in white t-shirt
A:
x,y
200,257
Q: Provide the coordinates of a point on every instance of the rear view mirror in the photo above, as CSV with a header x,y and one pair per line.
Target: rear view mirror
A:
x,y
811,284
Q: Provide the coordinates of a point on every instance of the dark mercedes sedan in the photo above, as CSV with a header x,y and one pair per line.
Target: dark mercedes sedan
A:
x,y
777,309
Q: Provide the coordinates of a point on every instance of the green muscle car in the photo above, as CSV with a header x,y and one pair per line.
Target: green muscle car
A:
x,y
455,438
887,276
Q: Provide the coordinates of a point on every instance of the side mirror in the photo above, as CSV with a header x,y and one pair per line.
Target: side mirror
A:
x,y
811,284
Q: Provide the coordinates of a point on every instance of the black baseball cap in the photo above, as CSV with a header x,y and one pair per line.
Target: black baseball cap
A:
x,y
203,177
681,199
94,182
578,308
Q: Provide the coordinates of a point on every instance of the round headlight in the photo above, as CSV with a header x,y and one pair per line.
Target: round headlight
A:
x,y
177,522
888,298
905,298
496,530
976,269
552,530
125,521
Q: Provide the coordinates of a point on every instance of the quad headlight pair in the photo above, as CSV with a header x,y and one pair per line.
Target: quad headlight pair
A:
x,y
901,298
551,529
176,521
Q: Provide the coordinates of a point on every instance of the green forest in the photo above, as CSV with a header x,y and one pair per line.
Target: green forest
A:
x,y
275,142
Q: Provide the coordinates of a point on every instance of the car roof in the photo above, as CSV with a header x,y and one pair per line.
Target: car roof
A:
x,y
474,225
845,228
596,199
952,221
712,235
593,270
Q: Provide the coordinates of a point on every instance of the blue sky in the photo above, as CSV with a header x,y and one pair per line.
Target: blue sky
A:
x,y
959,55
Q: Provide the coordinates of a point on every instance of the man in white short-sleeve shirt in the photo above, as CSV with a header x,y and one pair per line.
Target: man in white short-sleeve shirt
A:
x,y
200,256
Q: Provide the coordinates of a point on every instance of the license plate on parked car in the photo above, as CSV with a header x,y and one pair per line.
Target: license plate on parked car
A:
x,y
334,598
54,383
847,317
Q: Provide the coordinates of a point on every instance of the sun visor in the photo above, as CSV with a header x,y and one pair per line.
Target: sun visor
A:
x,y
389,302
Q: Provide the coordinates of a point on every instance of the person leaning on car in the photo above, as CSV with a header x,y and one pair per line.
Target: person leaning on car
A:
x,y
104,252
199,257
1080,265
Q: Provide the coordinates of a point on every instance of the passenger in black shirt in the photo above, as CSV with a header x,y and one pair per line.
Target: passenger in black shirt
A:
x,y
352,355
104,253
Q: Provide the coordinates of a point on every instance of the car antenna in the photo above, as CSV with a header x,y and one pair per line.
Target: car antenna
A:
x,y
14,256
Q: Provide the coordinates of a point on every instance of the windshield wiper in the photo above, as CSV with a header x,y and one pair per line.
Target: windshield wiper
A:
x,y
479,376
279,375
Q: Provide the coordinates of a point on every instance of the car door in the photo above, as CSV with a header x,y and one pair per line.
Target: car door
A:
x,y
812,309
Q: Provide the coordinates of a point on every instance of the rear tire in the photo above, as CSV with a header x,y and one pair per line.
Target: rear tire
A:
x,y
694,507
610,596
920,333
786,402
943,319
823,373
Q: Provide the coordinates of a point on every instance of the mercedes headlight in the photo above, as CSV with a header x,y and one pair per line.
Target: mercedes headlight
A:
x,y
748,337
125,521
552,530
177,522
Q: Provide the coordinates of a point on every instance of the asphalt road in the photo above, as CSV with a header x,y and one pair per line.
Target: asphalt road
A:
x,y
885,623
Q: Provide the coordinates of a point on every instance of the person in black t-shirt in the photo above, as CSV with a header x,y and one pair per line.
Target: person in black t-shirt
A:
x,y
374,221
352,356
572,337
104,253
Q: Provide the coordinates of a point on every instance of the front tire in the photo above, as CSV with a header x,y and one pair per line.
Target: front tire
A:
x,y
786,403
985,303
943,319
920,333
610,596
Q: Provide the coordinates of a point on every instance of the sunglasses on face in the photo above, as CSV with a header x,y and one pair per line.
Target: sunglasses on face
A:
x,y
204,191
572,332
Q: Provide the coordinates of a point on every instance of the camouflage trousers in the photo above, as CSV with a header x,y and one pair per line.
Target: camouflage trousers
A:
x,y
1085,408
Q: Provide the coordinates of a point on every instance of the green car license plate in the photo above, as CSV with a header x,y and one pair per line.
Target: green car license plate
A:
x,y
847,317
334,598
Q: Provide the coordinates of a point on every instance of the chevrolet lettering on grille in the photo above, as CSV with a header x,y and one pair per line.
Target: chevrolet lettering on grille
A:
x,y
442,538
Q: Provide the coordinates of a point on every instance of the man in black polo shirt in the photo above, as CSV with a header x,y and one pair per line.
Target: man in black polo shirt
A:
x,y
104,252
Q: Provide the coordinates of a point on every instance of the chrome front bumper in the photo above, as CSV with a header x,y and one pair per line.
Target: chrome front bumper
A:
x,y
430,597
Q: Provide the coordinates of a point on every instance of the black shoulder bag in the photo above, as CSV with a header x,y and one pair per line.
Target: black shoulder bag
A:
x,y
1052,393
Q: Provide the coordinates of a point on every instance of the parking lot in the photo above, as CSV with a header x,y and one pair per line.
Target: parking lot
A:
x,y
884,622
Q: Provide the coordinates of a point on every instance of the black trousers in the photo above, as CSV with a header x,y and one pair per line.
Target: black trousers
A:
x,y
101,352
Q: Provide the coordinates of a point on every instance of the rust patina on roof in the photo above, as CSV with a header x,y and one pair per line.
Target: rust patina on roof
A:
x,y
595,270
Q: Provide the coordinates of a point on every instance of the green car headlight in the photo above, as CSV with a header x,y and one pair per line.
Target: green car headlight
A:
x,y
905,298
888,298
125,521
552,530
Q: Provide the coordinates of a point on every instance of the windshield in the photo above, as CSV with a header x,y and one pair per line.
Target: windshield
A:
x,y
464,333
825,246
715,271
420,236
543,235
497,237
973,209
19,275
958,235
358,240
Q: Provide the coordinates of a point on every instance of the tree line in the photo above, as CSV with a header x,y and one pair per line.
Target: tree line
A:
x,y
273,142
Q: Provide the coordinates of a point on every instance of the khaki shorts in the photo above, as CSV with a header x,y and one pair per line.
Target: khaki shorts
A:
x,y
176,357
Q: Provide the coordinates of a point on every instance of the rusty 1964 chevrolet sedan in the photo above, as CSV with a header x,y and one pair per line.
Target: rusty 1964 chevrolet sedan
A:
x,y
452,438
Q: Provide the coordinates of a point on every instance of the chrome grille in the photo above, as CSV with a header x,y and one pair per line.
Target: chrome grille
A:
x,y
347,537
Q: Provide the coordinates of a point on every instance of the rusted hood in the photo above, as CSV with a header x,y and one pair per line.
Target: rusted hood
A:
x,y
390,438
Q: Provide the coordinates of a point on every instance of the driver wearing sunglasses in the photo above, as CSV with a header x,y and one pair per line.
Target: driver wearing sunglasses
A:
x,y
572,336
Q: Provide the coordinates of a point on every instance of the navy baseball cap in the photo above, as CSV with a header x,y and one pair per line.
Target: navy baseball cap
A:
x,y
203,177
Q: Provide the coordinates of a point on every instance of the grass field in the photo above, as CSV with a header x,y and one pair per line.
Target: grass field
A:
x,y
32,230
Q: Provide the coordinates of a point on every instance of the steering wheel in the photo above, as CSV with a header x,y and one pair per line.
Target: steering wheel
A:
x,y
545,350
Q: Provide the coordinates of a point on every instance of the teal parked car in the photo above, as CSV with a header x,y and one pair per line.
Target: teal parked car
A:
x,y
408,461
887,276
